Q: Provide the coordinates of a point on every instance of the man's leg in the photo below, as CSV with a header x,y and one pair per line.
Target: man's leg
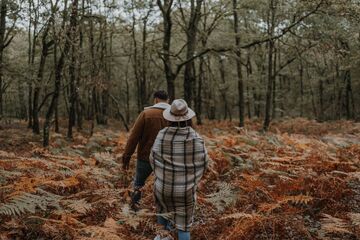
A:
x,y
143,171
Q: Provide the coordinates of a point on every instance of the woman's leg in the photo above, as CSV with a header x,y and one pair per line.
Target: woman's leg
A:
x,y
182,235
161,220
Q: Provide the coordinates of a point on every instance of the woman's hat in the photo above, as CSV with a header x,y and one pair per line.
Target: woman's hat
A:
x,y
178,111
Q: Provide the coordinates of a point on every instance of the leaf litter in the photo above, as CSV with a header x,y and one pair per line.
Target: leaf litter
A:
x,y
298,181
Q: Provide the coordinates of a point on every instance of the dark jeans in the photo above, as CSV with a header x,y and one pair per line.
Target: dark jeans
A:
x,y
182,235
143,171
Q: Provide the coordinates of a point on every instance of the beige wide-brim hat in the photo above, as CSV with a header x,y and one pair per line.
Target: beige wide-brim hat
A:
x,y
178,111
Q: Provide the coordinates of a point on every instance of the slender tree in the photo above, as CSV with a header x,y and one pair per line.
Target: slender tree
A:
x,y
270,80
191,40
238,64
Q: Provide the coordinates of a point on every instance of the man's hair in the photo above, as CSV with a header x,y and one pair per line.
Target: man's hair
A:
x,y
161,94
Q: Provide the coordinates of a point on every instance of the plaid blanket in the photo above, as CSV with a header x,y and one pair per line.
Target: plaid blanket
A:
x,y
179,158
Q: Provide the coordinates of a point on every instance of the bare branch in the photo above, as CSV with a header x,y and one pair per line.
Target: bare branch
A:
x,y
284,30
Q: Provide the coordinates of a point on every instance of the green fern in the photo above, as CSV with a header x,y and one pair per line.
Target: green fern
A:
x,y
106,158
222,198
81,206
67,172
29,202
5,175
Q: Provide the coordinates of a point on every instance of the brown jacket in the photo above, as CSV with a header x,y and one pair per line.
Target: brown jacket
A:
x,y
143,133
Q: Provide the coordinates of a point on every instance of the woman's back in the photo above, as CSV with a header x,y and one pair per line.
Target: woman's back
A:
x,y
179,159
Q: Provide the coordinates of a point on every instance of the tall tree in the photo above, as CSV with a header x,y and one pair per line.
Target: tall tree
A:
x,y
238,64
271,43
59,69
46,45
191,40
73,32
166,9
7,34
3,13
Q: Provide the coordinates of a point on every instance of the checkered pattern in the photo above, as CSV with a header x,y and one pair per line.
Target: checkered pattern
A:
x,y
179,158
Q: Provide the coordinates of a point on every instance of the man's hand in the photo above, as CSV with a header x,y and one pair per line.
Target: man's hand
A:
x,y
125,163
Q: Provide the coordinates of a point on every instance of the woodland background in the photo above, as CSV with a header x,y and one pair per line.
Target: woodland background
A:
x,y
94,60
275,85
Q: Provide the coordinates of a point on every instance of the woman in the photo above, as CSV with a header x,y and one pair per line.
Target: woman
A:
x,y
178,158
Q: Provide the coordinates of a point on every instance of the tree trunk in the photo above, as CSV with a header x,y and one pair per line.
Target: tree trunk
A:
x,y
271,27
38,85
274,85
224,88
269,88
136,60
92,109
165,55
349,100
31,59
301,73
30,110
79,107
212,98
198,102
143,86
22,102
191,37
313,104
72,71
321,100
3,13
238,65
102,94
58,72
256,104
248,102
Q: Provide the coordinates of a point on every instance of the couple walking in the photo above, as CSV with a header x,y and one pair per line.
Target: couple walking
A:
x,y
168,146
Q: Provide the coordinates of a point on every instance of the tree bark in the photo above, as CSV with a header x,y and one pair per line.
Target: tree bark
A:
x,y
274,85
349,99
224,88
166,44
271,27
198,102
39,79
58,72
301,74
3,13
72,69
321,100
238,65
79,105
135,59
191,37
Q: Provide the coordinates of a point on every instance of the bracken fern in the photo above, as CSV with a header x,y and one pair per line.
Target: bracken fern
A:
x,y
29,202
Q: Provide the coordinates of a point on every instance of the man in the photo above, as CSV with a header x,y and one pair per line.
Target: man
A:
x,y
143,134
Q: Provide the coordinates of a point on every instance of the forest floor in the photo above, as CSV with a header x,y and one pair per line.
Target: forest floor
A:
x,y
301,180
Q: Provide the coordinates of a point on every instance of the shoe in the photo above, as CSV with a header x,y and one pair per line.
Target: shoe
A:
x,y
158,237
135,207
135,196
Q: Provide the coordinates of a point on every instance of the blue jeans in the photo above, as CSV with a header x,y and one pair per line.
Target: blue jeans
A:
x,y
182,235
143,171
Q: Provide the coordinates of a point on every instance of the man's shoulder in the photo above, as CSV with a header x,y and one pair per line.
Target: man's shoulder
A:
x,y
153,112
161,105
